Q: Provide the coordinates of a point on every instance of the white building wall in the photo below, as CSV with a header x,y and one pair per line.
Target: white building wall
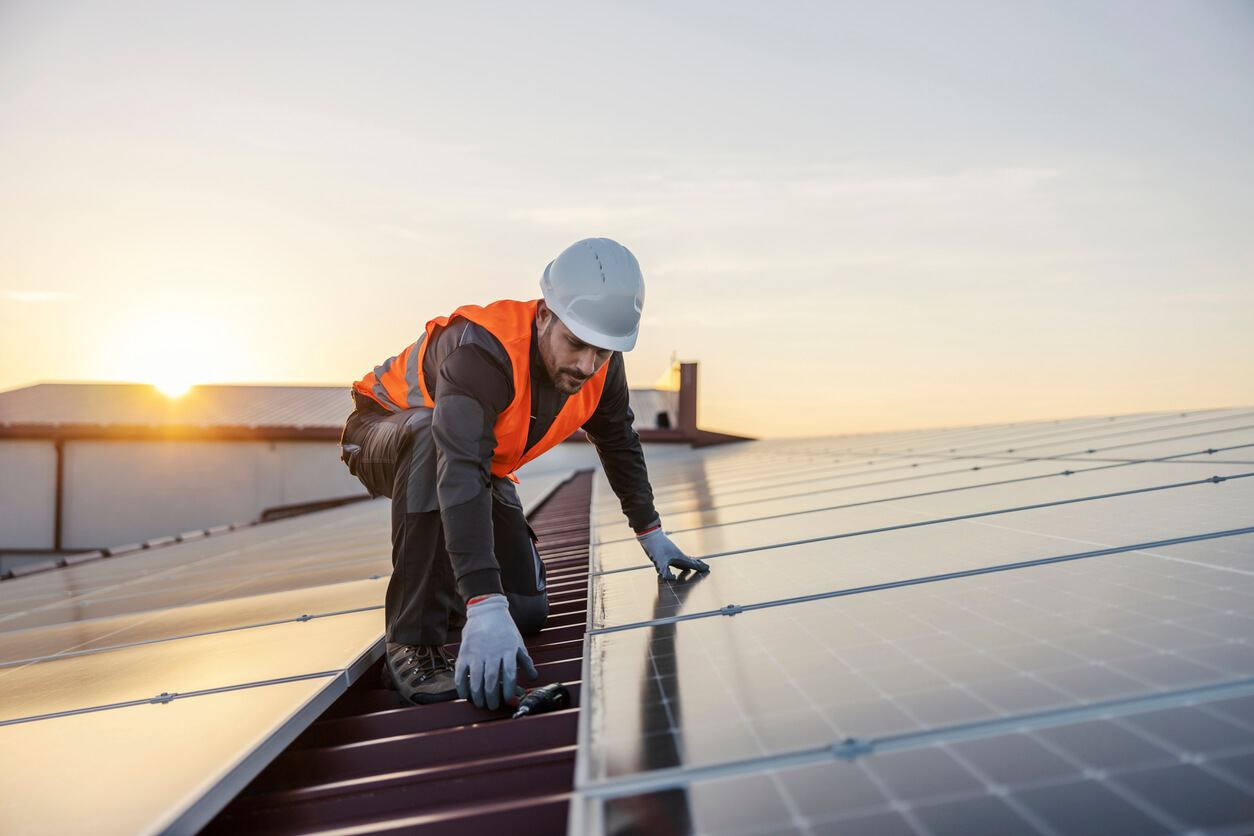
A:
x,y
312,471
119,492
28,494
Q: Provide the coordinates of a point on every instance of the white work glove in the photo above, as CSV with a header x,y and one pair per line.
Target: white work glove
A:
x,y
491,650
666,554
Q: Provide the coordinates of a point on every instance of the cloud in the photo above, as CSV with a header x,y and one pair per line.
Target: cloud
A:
x,y
402,232
175,301
730,313
40,296
987,184
1199,296
713,265
575,215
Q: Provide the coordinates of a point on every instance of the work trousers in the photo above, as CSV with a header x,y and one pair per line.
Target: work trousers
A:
x,y
393,454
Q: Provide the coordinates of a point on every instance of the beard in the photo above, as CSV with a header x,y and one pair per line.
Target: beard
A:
x,y
567,381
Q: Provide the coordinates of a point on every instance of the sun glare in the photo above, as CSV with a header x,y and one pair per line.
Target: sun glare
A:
x,y
173,388
173,348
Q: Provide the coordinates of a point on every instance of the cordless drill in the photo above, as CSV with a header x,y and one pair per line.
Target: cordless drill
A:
x,y
545,698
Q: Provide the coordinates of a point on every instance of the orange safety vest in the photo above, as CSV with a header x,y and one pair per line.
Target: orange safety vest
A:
x,y
510,322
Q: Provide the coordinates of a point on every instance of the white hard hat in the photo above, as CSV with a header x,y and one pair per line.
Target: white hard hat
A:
x,y
596,290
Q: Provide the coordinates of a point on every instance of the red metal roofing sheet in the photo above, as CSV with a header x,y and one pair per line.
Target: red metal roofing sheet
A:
x,y
374,763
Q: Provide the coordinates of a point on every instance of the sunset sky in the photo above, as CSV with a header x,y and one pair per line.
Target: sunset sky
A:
x,y
856,216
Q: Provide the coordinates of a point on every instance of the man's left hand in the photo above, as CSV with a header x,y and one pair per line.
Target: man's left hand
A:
x,y
491,654
666,554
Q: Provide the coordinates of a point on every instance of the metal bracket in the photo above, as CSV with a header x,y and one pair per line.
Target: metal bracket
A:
x,y
852,747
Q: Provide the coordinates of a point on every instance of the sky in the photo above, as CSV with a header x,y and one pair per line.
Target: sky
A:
x,y
856,217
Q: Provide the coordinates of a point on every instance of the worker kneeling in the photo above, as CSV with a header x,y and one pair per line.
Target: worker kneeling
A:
x,y
440,429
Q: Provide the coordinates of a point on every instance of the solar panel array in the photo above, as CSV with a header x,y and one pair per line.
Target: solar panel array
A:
x,y
148,689
1037,628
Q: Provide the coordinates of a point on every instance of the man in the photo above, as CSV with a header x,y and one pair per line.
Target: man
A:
x,y
441,428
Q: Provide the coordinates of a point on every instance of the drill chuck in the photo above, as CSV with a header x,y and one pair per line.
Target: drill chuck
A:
x,y
552,697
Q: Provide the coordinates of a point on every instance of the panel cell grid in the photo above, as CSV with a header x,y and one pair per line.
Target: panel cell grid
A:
x,y
1096,523
1174,770
885,557
903,660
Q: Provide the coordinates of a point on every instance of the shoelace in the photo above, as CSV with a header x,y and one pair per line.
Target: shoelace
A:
x,y
427,664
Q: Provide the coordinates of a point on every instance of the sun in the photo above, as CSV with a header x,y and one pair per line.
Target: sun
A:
x,y
173,388
174,348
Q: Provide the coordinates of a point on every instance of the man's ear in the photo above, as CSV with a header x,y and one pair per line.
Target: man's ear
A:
x,y
543,314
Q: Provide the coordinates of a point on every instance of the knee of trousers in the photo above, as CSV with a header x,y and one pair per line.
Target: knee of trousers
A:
x,y
530,612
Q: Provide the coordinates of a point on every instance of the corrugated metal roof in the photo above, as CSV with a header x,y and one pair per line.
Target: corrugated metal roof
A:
x,y
140,405
649,404
50,409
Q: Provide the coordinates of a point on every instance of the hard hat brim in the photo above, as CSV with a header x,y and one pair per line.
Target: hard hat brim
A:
x,y
593,338
595,288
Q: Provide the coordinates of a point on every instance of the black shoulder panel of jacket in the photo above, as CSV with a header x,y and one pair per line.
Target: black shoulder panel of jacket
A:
x,y
617,444
473,385
458,333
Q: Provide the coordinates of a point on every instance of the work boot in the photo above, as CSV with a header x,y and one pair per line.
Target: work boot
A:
x,y
421,674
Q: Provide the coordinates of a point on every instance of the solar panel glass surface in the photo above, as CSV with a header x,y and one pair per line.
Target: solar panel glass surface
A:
x,y
1186,769
160,625
767,681
943,674
1106,522
219,660
137,769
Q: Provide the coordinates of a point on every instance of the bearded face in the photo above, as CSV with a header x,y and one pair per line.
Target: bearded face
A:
x,y
568,360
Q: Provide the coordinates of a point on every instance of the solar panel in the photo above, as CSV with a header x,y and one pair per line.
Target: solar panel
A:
x,y
762,682
1134,443
928,546
145,768
964,492
1031,652
360,529
1151,771
153,686
811,570
223,659
78,637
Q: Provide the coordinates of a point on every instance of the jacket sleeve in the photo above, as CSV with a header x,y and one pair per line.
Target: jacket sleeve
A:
x,y
617,444
471,390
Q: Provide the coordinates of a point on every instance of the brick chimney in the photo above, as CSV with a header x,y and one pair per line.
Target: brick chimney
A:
x,y
688,399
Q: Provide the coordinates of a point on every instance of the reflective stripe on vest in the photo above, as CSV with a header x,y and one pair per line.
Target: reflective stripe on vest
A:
x,y
398,384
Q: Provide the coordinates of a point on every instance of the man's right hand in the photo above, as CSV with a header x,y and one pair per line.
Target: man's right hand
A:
x,y
666,554
490,653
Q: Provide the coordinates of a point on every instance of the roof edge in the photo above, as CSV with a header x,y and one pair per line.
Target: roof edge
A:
x,y
188,432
